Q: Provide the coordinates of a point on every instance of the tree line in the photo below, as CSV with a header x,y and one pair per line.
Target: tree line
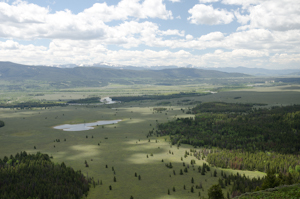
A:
x,y
156,97
275,129
85,101
35,176
259,161
32,105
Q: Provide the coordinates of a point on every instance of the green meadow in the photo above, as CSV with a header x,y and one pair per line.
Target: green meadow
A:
x,y
124,147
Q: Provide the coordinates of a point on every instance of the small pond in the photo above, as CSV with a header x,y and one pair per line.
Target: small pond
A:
x,y
84,126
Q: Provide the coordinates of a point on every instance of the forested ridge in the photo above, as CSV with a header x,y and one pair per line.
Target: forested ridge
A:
x,y
275,130
35,176
243,137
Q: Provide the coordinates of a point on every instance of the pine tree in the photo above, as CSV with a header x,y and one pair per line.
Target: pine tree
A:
x,y
215,173
270,180
181,173
215,192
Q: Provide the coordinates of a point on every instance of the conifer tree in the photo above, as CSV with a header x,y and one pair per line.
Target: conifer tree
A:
x,y
181,173
215,192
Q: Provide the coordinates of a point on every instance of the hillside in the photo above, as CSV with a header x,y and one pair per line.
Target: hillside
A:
x,y
12,71
260,71
285,191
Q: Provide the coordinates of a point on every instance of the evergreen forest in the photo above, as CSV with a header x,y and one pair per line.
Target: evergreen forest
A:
x,y
35,176
255,129
242,137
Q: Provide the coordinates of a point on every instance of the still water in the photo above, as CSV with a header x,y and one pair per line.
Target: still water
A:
x,y
84,126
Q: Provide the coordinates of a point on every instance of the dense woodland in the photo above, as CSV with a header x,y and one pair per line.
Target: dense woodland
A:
x,y
156,97
275,130
250,138
29,105
224,107
242,184
259,161
85,101
35,176
1,123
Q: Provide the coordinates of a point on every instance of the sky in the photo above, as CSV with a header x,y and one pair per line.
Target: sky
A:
x,y
198,33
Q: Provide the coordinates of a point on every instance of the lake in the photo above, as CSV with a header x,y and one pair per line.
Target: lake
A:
x,y
84,126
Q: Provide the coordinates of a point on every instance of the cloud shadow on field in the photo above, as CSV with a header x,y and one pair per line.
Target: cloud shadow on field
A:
x,y
84,151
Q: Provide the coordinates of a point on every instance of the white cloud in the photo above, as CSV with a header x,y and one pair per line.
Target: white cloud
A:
x,y
29,21
22,12
128,8
217,36
174,1
89,52
189,37
269,35
286,59
279,15
173,32
244,3
206,14
208,1
9,45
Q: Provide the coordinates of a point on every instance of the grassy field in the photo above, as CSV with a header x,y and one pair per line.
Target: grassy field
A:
x,y
126,147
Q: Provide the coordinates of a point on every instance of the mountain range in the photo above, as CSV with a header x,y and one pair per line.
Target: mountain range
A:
x,y
240,69
13,71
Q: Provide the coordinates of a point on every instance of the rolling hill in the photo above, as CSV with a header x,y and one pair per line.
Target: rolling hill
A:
x,y
18,72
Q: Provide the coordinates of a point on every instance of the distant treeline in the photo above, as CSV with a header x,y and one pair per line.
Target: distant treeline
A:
x,y
35,176
85,101
1,123
223,107
31,105
156,97
257,130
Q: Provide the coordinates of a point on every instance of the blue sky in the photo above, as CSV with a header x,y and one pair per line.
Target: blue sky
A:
x,y
201,33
